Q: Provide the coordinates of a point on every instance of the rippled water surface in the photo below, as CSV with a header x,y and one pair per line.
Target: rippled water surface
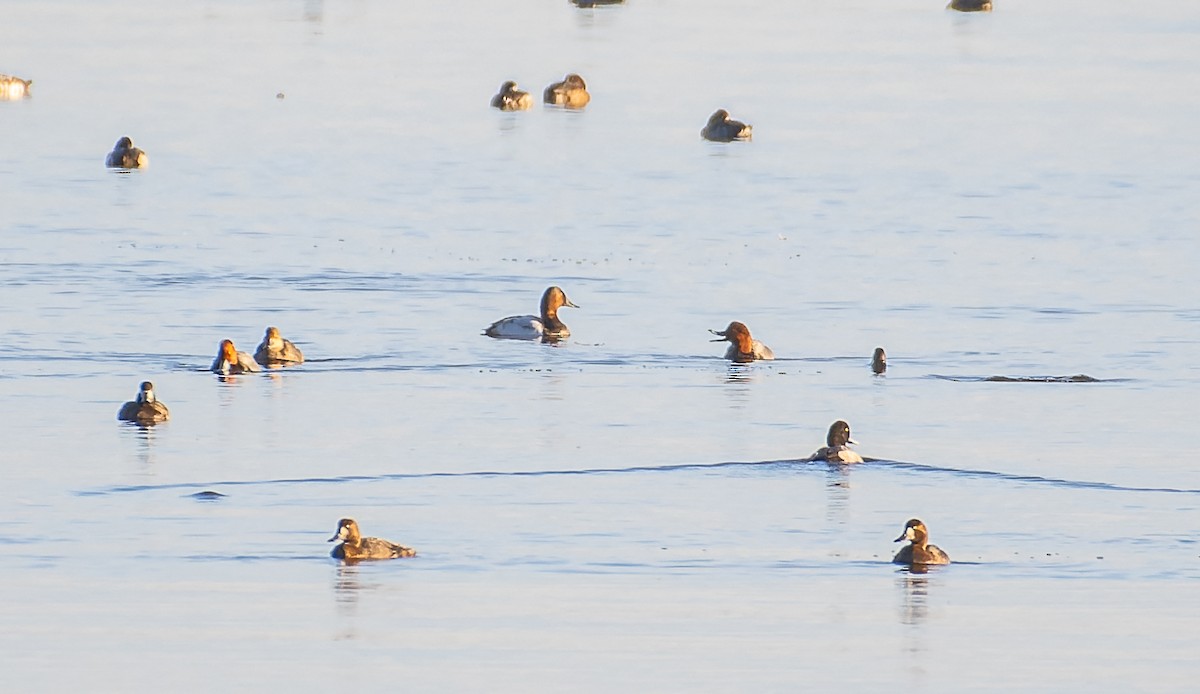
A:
x,y
1005,195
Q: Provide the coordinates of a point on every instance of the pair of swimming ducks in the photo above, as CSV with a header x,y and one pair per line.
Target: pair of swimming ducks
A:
x,y
354,547
570,93
273,351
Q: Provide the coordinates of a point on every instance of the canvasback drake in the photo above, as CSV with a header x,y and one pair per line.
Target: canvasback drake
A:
x,y
970,5
920,551
355,547
836,449
721,129
126,156
145,408
547,326
512,99
13,88
571,92
743,348
276,351
230,361
879,361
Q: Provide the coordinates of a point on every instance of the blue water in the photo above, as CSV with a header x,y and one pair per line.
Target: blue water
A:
x,y
1003,195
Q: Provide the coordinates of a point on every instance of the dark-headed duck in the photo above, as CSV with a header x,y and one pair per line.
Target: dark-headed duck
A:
x,y
126,156
919,551
571,92
355,547
512,99
721,128
837,449
879,361
970,5
546,326
145,408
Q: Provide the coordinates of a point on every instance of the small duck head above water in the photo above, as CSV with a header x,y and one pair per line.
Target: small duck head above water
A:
x,y
743,347
356,547
879,361
721,128
126,156
919,551
146,393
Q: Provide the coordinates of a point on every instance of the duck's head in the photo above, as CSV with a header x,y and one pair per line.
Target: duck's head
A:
x,y
719,116
879,361
146,393
124,143
272,334
574,81
508,87
839,434
553,299
915,532
347,531
227,351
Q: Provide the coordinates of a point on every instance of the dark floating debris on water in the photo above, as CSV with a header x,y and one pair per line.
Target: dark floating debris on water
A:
x,y
207,495
1077,378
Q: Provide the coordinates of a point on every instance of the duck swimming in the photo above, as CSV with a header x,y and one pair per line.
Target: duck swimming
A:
x,y
512,99
836,449
126,156
230,361
721,129
13,88
145,408
744,348
970,5
919,551
276,351
571,92
546,327
355,547
879,361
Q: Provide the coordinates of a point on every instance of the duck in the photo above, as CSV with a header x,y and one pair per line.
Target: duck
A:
x,y
512,99
546,326
13,88
355,547
230,361
126,156
744,348
879,361
919,552
571,92
970,5
721,128
145,408
836,449
276,351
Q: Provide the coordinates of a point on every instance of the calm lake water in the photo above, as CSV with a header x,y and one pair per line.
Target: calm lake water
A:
x,y
1009,194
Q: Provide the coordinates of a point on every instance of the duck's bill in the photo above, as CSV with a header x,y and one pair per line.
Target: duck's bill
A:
x,y
722,334
902,538
852,442
570,304
335,537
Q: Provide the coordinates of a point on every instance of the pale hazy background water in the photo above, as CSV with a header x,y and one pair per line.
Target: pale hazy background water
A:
x,y
1006,194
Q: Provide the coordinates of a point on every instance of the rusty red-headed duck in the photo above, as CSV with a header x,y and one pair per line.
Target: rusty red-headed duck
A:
x,y
743,347
547,326
230,361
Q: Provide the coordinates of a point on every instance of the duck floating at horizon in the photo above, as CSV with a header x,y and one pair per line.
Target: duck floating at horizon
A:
x,y
512,99
721,128
570,93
